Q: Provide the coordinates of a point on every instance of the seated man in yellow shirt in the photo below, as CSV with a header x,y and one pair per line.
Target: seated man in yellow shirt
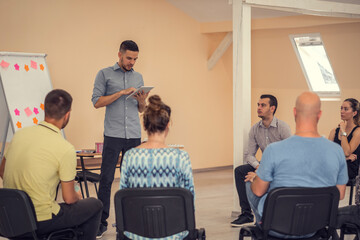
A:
x,y
37,159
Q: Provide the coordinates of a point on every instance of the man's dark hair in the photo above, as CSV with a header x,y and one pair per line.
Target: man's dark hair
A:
x,y
273,100
128,45
57,104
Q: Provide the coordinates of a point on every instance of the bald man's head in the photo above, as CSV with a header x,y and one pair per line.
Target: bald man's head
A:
x,y
308,106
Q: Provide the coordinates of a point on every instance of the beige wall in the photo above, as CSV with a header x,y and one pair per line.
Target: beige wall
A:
x,y
81,37
276,70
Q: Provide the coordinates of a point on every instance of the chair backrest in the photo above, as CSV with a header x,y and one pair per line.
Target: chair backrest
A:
x,y
154,212
17,215
357,188
300,211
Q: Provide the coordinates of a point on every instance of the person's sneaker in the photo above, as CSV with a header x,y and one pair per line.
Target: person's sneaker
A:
x,y
101,231
243,220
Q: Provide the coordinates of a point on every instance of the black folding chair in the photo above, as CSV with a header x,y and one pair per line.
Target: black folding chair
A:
x,y
297,212
90,177
18,219
352,225
155,213
351,183
349,229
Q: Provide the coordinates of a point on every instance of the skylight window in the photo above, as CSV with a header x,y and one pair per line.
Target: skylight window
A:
x,y
315,64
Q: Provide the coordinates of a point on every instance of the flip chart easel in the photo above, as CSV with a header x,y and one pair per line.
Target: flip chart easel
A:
x,y
24,83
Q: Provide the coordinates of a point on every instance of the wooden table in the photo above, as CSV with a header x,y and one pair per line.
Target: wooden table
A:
x,y
83,169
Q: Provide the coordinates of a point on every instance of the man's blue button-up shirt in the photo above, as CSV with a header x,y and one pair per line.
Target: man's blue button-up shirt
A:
x,y
121,117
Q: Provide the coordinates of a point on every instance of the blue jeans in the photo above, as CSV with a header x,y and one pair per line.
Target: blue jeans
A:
x,y
110,156
254,202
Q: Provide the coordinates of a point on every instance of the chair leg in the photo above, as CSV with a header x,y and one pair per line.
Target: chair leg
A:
x,y
342,233
81,188
332,233
96,190
351,194
201,234
34,234
244,232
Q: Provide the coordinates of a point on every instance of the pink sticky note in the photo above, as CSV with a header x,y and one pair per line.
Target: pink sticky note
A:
x,y
33,64
36,111
17,67
28,111
17,112
4,64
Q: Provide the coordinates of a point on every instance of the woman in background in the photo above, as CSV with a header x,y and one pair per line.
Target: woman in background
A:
x,y
347,134
153,163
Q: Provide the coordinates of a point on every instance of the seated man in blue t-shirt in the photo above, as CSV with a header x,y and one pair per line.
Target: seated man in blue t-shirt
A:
x,y
303,160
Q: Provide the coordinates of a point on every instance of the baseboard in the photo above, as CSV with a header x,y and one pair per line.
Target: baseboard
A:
x,y
212,169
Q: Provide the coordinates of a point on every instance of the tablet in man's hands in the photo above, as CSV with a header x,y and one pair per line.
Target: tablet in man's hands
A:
x,y
145,89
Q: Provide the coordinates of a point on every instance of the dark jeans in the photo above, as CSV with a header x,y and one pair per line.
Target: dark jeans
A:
x,y
110,156
348,214
84,214
353,168
240,173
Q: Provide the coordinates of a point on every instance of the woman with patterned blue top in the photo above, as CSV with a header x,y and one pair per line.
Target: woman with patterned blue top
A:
x,y
153,163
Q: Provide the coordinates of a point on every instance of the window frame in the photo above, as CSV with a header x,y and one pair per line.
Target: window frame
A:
x,y
329,94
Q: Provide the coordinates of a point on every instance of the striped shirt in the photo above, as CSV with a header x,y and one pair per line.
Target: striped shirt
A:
x,y
261,137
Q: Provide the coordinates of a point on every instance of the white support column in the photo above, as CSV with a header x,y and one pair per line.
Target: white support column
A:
x,y
241,83
220,50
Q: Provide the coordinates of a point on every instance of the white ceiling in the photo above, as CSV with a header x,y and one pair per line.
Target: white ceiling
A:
x,y
221,10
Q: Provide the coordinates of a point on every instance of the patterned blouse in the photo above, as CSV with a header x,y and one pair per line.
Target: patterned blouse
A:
x,y
357,191
156,167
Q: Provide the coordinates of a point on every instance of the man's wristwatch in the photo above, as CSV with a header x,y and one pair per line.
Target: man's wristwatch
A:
x,y
343,134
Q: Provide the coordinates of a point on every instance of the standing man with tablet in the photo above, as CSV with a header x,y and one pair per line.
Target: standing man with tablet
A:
x,y
122,124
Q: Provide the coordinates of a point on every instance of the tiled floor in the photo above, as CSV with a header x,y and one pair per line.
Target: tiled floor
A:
x,y
214,204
